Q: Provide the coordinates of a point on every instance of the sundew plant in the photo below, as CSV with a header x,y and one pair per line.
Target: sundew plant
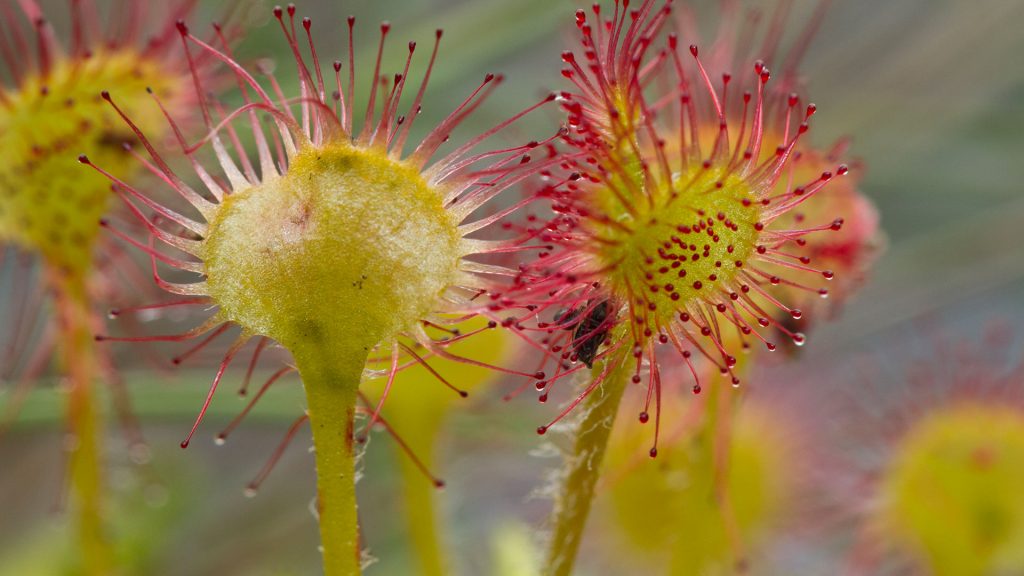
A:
x,y
448,287
60,264
677,224
340,246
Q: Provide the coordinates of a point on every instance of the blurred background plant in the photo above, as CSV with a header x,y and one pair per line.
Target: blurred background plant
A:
x,y
687,513
61,267
926,472
935,95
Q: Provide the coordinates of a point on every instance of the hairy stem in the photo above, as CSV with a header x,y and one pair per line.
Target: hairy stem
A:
x,y
583,470
85,469
331,379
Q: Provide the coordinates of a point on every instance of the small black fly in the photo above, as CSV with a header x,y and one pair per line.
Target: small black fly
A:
x,y
589,332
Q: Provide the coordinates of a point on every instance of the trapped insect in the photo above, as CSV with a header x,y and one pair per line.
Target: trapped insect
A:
x,y
589,332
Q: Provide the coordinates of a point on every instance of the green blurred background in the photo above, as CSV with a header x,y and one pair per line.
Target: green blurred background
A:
x,y
932,92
